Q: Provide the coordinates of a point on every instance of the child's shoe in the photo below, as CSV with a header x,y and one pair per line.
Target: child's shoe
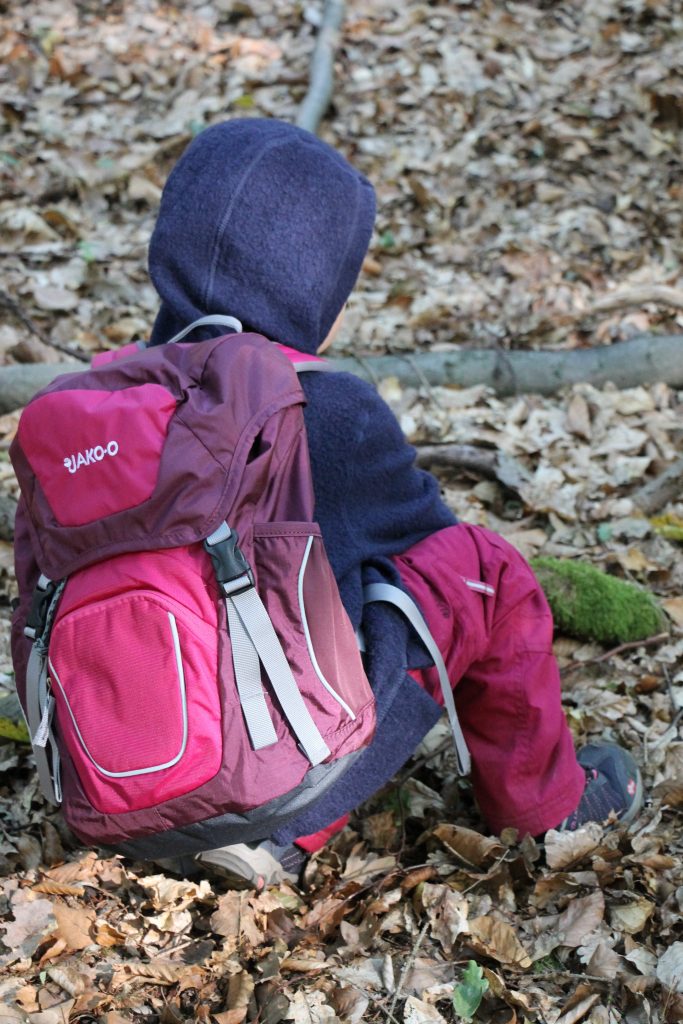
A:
x,y
256,865
613,786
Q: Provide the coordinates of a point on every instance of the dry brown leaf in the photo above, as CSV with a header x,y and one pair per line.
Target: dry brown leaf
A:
x,y
416,1011
518,1000
156,972
670,792
497,939
106,934
579,1010
631,917
469,845
563,849
242,917
448,911
325,914
673,606
34,920
58,888
59,1014
670,968
582,916
173,893
74,925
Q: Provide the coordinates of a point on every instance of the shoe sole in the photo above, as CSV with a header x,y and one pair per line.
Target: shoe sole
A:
x,y
638,800
255,867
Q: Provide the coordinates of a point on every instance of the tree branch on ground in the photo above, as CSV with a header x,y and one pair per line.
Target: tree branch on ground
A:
x,y
486,462
7,302
658,492
643,360
317,99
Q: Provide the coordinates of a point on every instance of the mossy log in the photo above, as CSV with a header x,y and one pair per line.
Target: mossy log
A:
x,y
592,605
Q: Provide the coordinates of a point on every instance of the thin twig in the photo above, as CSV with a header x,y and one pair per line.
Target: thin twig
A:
x,y
649,641
374,999
13,306
317,99
408,966
659,491
431,394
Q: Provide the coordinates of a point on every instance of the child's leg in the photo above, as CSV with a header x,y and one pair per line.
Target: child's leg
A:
x,y
497,645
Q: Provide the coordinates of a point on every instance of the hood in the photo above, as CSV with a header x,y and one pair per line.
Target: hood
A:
x,y
262,221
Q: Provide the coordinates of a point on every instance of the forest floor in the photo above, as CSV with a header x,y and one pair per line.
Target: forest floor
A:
x,y
527,160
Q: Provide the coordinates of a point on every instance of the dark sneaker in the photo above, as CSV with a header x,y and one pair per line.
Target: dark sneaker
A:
x,y
257,865
613,787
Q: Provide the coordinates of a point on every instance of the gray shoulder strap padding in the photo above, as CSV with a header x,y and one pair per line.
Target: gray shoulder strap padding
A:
x,y
401,600
215,320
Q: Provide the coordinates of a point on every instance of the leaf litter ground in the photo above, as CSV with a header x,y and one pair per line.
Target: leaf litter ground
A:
x,y
527,160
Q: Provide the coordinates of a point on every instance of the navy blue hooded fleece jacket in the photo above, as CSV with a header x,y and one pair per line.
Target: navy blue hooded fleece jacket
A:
x,y
263,221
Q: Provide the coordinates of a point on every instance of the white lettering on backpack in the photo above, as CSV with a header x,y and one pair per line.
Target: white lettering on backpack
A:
x,y
90,456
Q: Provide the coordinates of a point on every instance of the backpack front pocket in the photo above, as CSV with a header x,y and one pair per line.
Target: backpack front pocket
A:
x,y
135,684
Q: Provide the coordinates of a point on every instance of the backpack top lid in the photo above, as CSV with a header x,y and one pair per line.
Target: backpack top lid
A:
x,y
155,450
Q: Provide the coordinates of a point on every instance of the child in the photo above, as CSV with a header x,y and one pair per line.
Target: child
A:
x,y
263,221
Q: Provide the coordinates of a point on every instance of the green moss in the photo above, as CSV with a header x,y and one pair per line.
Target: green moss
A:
x,y
592,605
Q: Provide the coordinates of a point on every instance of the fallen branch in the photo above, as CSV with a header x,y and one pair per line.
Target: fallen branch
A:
x,y
641,295
489,463
19,383
7,302
317,99
666,487
632,645
643,360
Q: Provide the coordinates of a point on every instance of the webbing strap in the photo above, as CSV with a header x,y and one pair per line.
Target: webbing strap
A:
x,y
39,712
247,668
393,595
259,629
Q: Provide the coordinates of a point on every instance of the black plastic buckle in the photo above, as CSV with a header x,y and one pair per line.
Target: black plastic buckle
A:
x,y
230,565
36,619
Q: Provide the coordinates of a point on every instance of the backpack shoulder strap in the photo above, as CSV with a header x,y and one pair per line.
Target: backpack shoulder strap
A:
x,y
394,595
302,362
215,320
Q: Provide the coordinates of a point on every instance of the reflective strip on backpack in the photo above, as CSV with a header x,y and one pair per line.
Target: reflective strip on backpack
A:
x,y
393,595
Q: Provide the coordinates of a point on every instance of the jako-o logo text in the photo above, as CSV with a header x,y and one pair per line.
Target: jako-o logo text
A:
x,y
90,456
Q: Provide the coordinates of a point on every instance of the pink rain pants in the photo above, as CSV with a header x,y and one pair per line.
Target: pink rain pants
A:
x,y
496,640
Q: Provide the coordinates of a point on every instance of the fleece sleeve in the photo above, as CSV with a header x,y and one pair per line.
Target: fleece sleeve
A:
x,y
371,500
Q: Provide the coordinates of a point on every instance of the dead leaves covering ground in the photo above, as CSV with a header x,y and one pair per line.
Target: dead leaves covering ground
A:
x,y
527,159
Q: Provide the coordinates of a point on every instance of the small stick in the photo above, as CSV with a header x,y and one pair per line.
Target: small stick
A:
x,y
317,99
649,641
13,306
408,965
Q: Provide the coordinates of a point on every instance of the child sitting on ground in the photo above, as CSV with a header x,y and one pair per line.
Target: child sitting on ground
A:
x,y
263,221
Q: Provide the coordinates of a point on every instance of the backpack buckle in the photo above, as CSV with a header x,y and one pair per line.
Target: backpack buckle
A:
x,y
232,570
36,620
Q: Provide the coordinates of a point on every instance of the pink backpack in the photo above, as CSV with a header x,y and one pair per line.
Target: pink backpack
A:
x,y
188,672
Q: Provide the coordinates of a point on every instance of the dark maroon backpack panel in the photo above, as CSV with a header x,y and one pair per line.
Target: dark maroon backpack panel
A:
x,y
188,672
